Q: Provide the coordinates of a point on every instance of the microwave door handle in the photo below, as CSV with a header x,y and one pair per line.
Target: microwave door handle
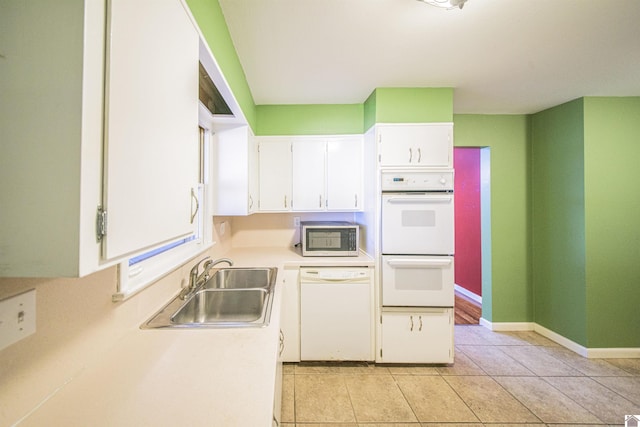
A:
x,y
418,263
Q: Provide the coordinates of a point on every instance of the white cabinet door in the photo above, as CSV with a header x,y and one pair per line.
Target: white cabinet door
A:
x,y
345,177
51,130
151,146
275,174
290,317
424,336
426,144
235,172
309,174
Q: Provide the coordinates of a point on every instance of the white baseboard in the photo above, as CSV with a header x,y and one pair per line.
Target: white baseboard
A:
x,y
590,353
467,293
507,326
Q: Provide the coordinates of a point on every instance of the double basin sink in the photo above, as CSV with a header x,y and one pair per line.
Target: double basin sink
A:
x,y
231,297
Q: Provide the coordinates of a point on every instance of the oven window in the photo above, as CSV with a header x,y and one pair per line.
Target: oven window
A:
x,y
418,218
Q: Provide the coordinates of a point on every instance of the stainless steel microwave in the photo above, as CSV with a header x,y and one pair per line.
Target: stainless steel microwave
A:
x,y
329,238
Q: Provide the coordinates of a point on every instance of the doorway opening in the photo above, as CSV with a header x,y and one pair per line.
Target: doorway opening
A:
x,y
473,232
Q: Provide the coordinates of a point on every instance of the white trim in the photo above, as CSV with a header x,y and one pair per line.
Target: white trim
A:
x,y
565,342
590,353
467,293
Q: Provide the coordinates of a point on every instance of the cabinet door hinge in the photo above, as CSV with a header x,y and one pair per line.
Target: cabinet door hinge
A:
x,y
101,223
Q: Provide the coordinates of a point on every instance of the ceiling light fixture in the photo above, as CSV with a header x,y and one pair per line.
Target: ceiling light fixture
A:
x,y
446,4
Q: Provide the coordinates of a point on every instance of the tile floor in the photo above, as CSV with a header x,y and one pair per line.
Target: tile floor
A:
x,y
498,378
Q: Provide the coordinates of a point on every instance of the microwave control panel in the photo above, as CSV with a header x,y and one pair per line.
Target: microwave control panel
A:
x,y
398,180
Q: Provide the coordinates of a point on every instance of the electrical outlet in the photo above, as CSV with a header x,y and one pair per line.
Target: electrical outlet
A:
x,y
17,317
296,221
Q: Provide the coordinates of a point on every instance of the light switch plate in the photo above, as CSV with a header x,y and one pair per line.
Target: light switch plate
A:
x,y
17,317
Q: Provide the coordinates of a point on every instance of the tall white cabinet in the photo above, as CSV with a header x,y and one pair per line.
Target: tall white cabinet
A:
x,y
274,155
82,62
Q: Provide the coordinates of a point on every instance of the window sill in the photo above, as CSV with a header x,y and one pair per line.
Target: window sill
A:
x,y
136,278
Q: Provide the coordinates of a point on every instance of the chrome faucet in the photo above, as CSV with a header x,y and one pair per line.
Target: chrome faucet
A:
x,y
196,278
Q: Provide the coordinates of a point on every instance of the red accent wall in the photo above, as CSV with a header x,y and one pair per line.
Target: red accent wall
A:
x,y
468,262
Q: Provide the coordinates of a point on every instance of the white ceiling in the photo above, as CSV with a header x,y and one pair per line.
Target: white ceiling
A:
x,y
500,56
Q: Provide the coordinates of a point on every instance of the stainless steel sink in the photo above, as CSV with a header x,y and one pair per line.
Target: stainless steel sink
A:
x,y
241,278
232,297
223,305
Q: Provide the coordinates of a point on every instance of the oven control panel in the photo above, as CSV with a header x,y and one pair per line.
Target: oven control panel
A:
x,y
411,180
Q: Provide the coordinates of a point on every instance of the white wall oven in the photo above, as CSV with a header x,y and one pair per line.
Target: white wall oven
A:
x,y
417,238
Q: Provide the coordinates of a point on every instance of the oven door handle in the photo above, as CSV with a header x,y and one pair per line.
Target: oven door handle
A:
x,y
421,200
418,263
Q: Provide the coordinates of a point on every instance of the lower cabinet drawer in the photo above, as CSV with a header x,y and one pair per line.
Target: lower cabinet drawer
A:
x,y
420,336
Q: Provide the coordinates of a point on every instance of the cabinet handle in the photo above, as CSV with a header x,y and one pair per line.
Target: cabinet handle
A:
x,y
281,348
320,201
419,155
285,201
356,199
410,154
194,213
420,327
250,202
411,319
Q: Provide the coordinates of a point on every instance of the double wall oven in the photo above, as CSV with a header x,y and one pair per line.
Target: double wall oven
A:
x,y
417,238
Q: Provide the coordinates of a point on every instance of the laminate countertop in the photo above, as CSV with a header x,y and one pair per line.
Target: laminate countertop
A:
x,y
195,377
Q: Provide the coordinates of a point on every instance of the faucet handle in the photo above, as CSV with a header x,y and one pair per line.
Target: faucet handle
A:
x,y
196,268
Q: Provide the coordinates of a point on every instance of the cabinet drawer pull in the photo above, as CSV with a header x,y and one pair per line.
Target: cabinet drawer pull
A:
x,y
411,319
420,327
410,154
419,155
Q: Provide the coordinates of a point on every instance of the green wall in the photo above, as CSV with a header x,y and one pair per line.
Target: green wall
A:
x,y
309,119
586,237
612,221
508,298
558,220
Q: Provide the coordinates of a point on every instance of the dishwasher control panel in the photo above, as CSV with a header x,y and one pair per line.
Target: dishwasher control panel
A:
x,y
333,274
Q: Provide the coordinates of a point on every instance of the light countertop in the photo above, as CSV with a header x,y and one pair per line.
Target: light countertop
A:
x,y
196,377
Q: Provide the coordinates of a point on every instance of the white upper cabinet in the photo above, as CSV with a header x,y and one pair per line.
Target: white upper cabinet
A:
x,y
136,101
235,172
415,145
274,154
151,137
327,173
345,173
309,167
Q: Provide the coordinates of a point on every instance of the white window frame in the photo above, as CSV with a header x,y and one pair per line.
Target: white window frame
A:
x,y
135,278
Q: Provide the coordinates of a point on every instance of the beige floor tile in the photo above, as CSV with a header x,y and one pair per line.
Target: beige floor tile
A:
x,y
288,368
433,400
631,366
494,361
413,370
370,369
318,368
377,398
322,398
532,338
589,367
545,401
540,362
389,425
489,401
288,402
479,335
629,387
599,400
462,366
326,425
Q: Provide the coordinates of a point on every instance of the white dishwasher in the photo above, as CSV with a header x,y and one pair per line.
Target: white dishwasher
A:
x,y
336,313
